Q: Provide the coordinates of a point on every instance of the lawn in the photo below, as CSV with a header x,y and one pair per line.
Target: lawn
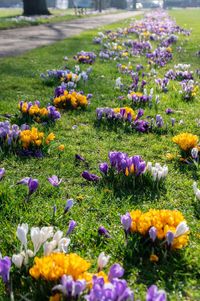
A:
x,y
12,17
95,205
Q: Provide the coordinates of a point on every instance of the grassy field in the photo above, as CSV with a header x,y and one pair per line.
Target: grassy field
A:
x,y
94,206
9,18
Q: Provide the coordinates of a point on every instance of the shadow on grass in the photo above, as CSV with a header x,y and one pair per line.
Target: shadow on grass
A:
x,y
172,269
187,169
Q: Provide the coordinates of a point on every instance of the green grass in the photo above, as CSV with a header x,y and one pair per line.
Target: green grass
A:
x,y
8,21
7,18
20,80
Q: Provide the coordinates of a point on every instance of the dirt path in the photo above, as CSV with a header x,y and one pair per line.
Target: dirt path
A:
x,y
19,40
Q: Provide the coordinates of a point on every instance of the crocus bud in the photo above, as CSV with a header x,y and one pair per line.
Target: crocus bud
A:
x,y
2,173
90,177
22,231
103,232
79,157
153,233
18,259
102,260
194,153
63,245
5,265
72,225
169,237
126,221
181,229
103,167
116,271
32,185
69,205
79,287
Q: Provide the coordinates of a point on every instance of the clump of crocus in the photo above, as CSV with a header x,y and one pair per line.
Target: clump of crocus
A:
x,y
163,228
70,100
189,90
33,112
44,237
124,171
188,144
139,98
85,57
34,142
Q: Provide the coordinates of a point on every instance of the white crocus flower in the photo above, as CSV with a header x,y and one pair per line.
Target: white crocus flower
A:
x,y
49,247
118,83
18,259
22,231
102,260
196,190
40,236
149,166
181,229
57,236
63,245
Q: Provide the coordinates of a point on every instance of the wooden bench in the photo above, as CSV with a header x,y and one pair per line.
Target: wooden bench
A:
x,y
81,6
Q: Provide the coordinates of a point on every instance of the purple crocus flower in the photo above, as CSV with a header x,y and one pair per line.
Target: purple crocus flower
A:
x,y
24,181
116,271
103,232
153,294
32,185
103,167
5,265
69,287
72,225
69,205
79,157
153,233
173,120
54,181
169,237
169,111
2,173
90,177
139,114
126,221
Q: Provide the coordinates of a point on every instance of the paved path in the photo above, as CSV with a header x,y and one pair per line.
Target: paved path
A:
x,y
19,40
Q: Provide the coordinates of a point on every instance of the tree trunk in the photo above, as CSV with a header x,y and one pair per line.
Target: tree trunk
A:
x,y
134,4
35,7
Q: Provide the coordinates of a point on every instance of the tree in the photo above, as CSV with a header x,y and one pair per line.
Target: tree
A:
x,y
35,7
119,4
134,4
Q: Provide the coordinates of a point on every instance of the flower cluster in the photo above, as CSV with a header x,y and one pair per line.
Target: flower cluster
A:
x,y
24,140
139,98
189,89
123,116
85,57
55,265
32,138
160,56
167,226
70,100
128,170
40,239
186,141
33,111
